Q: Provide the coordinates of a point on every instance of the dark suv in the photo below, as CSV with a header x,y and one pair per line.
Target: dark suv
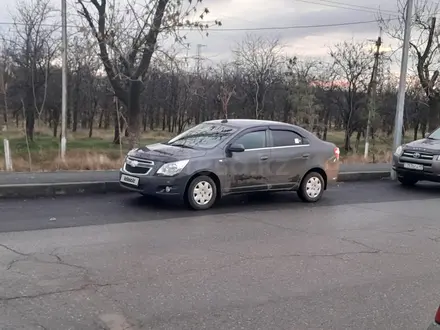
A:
x,y
418,160
222,157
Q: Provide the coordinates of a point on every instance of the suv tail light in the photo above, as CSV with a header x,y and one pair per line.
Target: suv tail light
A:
x,y
336,151
437,316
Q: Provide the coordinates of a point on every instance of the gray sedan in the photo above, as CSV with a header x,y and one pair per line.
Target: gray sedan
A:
x,y
223,157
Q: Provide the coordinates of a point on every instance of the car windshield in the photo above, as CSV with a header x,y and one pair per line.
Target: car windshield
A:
x,y
203,136
435,135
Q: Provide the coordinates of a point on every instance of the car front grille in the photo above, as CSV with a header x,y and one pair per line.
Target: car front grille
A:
x,y
418,155
138,166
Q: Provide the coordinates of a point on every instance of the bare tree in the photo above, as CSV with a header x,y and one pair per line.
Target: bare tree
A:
x,y
302,75
352,64
259,59
132,35
425,49
6,75
227,86
32,51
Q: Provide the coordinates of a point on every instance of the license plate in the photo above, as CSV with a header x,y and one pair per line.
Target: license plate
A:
x,y
129,180
413,166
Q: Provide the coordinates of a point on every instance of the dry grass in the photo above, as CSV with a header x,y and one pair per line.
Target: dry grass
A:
x,y
83,160
99,153
381,157
80,160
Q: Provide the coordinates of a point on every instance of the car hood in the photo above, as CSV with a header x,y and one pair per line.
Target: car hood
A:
x,y
165,153
424,145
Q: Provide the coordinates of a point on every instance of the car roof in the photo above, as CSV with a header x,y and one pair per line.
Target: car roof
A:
x,y
245,123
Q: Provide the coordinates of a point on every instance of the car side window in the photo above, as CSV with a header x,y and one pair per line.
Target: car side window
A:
x,y
252,140
285,138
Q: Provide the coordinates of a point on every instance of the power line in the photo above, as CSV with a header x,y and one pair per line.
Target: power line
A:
x,y
372,11
239,29
296,26
324,3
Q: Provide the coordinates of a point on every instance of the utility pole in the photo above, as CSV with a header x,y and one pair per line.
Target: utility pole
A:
x,y
199,56
371,93
398,124
64,80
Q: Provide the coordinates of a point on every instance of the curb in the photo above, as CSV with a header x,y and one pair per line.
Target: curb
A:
x,y
58,189
104,187
363,176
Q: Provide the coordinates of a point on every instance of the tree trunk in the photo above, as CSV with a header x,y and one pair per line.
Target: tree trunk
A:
x,y
326,124
423,129
433,114
5,114
416,130
30,118
134,113
92,117
55,120
117,132
347,145
358,140
101,118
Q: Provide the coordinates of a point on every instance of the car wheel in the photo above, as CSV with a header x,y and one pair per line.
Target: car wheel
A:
x,y
407,181
311,188
202,193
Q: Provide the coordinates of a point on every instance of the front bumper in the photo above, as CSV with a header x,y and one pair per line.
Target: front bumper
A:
x,y
155,185
430,171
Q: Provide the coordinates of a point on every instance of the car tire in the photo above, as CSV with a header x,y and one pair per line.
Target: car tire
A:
x,y
311,188
407,181
201,193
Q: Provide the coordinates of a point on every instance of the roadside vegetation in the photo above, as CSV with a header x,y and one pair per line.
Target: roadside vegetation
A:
x,y
147,92
100,153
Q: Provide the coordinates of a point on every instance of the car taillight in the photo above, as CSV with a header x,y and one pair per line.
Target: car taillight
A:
x,y
437,316
336,151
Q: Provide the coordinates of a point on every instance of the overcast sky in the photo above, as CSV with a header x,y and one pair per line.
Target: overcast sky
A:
x,y
242,14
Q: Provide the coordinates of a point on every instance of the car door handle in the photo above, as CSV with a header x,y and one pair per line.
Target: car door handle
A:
x,y
264,157
305,155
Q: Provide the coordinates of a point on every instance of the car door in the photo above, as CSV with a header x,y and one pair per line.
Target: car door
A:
x,y
289,156
248,170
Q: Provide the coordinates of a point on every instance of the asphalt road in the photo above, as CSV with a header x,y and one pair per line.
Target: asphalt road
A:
x,y
100,176
366,257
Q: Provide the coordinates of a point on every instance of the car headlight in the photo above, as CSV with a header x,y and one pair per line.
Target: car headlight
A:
x,y
132,152
438,157
174,168
399,151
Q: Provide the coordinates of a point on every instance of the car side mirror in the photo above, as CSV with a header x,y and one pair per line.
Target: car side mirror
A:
x,y
236,148
426,135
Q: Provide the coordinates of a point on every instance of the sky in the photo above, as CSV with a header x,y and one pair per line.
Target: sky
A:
x,y
250,14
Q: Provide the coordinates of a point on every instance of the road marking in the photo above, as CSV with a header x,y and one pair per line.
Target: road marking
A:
x,y
115,322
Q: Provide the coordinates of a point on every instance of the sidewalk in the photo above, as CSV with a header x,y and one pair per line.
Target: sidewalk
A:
x,y
109,176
